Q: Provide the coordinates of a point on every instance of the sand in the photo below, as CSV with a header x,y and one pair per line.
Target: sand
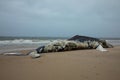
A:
x,y
69,65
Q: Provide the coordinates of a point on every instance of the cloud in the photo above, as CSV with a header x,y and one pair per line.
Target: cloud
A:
x,y
78,15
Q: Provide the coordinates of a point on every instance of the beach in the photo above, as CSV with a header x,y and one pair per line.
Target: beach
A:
x,y
69,65
59,39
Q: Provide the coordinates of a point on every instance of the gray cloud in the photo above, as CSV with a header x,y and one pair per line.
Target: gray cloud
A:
x,y
58,17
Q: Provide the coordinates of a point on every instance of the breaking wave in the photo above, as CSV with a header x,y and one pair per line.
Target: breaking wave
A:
x,y
23,41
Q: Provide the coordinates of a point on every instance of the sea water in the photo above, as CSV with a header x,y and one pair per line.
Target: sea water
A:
x,y
26,43
114,42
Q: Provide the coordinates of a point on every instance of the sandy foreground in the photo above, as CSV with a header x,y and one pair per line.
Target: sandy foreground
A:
x,y
69,65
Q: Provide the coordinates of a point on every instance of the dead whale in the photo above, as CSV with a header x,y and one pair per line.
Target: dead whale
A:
x,y
83,38
75,43
90,39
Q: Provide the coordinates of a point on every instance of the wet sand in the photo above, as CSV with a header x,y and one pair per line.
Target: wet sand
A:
x,y
69,65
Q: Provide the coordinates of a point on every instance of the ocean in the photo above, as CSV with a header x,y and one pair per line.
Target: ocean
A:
x,y
26,43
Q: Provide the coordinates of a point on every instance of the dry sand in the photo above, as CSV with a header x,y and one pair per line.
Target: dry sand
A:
x,y
71,65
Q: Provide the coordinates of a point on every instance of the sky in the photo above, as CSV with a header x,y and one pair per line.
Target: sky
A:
x,y
60,18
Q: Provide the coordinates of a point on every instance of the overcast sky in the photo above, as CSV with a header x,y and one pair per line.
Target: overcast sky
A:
x,y
97,18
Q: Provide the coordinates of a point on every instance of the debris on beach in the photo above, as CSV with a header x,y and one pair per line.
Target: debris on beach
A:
x,y
100,48
14,54
34,54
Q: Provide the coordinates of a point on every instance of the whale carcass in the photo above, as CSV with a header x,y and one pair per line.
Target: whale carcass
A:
x,y
75,43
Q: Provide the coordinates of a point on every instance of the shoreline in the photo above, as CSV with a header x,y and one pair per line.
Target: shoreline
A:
x,y
19,44
26,50
69,65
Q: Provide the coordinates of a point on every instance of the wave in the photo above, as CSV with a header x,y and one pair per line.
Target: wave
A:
x,y
23,41
114,42
22,44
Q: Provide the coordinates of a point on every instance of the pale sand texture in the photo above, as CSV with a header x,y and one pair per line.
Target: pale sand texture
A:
x,y
71,65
